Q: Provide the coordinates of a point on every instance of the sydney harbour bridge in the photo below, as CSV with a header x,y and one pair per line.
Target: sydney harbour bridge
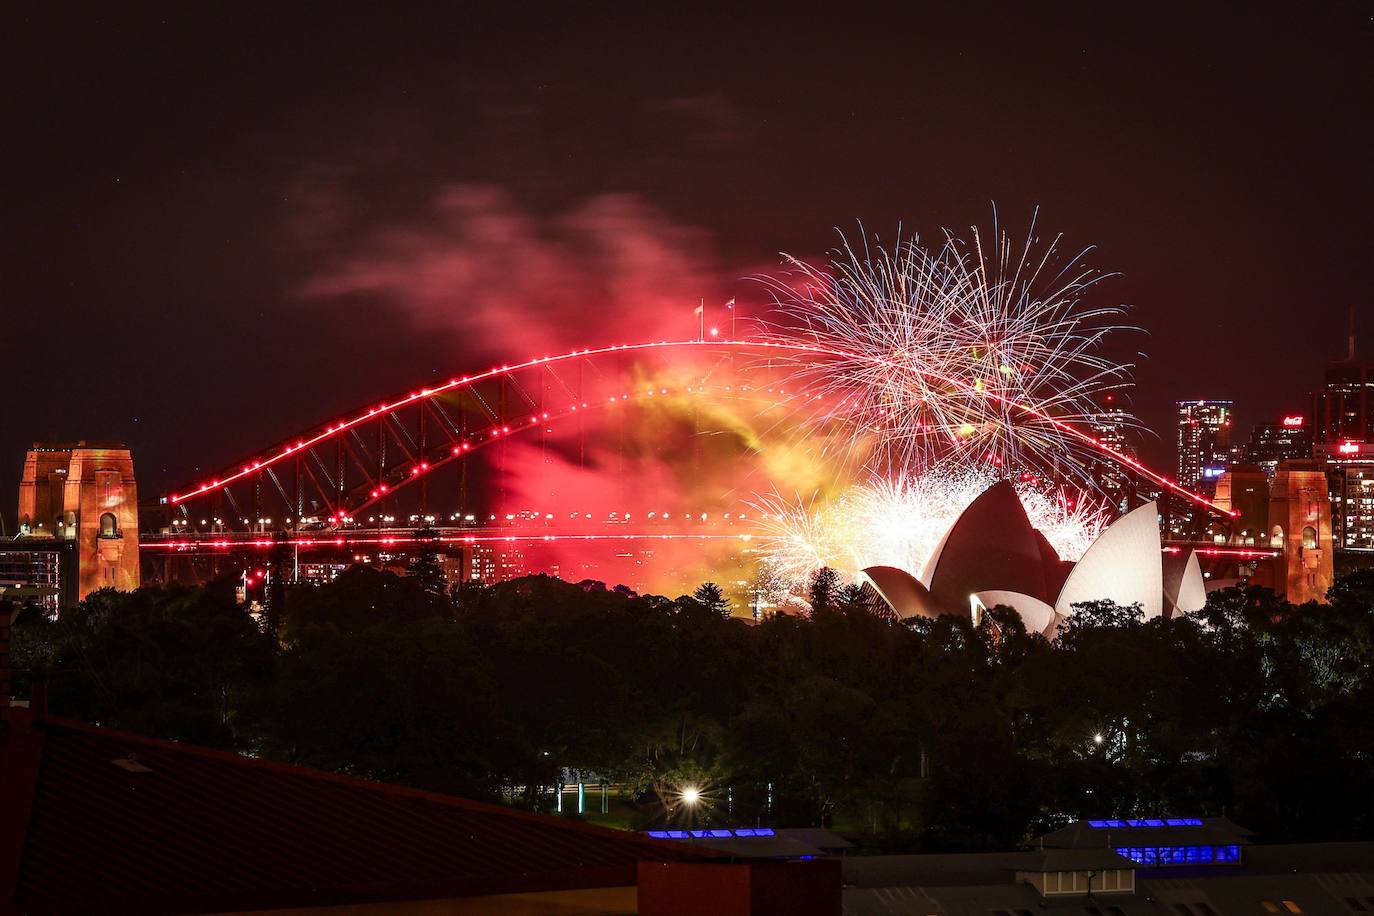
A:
x,y
460,465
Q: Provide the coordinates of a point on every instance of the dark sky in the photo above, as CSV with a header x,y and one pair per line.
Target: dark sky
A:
x,y
176,178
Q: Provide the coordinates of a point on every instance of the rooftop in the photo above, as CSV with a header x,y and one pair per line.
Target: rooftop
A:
x,y
1317,879
91,816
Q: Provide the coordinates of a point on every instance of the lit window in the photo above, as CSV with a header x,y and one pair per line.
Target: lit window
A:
x,y
1291,907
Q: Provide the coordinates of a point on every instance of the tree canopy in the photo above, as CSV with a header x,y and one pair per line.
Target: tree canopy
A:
x,y
928,734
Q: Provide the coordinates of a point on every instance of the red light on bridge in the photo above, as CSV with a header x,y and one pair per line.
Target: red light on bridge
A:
x,y
327,432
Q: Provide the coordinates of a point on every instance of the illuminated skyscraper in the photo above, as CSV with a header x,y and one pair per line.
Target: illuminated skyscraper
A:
x,y
1271,443
1352,503
1204,440
1111,426
1343,437
1343,409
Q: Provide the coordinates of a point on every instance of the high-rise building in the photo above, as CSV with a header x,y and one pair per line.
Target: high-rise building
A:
x,y
1343,409
1343,437
1352,504
1271,443
1111,425
1204,441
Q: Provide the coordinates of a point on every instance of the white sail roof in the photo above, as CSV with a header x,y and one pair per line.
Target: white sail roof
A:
x,y
1036,615
1124,565
1185,591
903,592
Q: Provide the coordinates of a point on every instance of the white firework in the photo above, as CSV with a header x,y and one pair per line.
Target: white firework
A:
x,y
898,522
967,354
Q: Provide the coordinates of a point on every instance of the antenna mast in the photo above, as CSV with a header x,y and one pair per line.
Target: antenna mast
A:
x,y
1351,338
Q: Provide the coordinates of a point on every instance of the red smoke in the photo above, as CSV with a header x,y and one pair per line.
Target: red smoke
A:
x,y
609,270
509,285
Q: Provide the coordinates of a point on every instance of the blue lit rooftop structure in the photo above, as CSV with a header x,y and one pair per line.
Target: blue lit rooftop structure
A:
x,y
1166,856
1157,842
1147,822
715,833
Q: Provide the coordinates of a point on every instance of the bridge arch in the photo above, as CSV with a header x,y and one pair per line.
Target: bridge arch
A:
x,y
350,464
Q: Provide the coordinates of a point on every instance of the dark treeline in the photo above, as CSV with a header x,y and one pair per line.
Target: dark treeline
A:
x,y
929,734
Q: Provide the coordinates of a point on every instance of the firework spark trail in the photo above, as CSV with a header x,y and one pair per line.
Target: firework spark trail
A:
x,y
939,354
898,522
947,370
1069,521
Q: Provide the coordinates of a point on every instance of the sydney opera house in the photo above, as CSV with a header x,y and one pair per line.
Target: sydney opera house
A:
x,y
992,555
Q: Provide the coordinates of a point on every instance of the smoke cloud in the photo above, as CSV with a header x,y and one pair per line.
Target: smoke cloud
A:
x,y
608,270
508,284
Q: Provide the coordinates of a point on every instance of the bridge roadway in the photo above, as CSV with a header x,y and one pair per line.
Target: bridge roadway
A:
x,y
398,538
402,539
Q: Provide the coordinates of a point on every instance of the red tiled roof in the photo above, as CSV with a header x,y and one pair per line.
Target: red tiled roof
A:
x,y
182,828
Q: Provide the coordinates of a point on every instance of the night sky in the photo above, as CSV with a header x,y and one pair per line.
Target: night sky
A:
x,y
222,229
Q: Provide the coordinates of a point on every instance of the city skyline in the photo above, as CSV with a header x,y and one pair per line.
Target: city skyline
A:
x,y
655,460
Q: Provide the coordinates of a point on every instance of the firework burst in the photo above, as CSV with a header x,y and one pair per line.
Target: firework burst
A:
x,y
898,522
967,355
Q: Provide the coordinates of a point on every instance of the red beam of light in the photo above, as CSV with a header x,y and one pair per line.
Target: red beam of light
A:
x,y
453,384
1242,552
487,437
405,541
372,540
467,381
309,543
